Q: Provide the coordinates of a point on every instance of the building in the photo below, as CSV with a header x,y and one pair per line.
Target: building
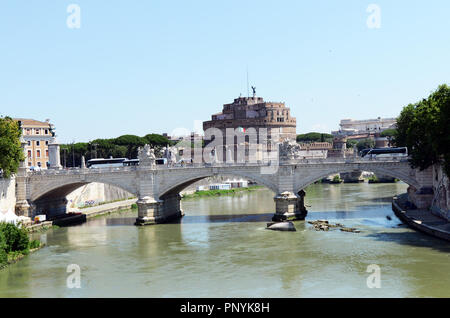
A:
x,y
316,145
270,121
37,135
340,149
241,183
254,112
350,127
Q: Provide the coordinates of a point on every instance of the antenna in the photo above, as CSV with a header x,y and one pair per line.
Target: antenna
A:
x,y
248,89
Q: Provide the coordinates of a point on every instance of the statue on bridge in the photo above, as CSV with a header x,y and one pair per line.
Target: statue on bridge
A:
x,y
289,150
146,156
170,154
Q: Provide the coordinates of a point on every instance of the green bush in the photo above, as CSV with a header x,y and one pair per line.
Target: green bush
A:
x,y
35,244
337,179
374,179
16,239
3,255
3,258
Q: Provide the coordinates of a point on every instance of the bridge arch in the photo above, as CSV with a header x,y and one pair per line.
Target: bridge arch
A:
x,y
65,188
181,183
50,198
302,183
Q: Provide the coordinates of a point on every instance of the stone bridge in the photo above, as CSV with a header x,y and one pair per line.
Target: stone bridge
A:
x,y
158,187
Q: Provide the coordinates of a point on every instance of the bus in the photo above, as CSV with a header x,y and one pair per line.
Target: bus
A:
x,y
106,163
131,162
385,152
118,162
161,161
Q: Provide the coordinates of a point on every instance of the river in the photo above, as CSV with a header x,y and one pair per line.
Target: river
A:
x,y
221,249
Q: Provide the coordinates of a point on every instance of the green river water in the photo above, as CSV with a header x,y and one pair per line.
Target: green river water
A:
x,y
222,249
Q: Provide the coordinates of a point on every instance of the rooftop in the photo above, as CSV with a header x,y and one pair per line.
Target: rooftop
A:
x,y
33,123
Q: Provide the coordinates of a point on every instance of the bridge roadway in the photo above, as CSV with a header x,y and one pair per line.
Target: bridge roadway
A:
x,y
158,187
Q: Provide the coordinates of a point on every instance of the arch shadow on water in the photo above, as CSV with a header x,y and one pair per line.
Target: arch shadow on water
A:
x,y
387,199
190,219
225,218
412,238
366,212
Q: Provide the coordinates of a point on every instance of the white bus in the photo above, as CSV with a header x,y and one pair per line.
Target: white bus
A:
x,y
106,163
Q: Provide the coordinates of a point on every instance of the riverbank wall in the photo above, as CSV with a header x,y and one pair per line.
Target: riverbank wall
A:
x,y
7,194
427,209
95,194
440,204
435,192
420,219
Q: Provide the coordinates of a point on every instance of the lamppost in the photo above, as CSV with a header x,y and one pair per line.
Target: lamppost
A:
x,y
64,154
73,154
95,150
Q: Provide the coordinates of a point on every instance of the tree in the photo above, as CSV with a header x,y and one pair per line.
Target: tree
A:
x,y
132,143
424,128
158,141
314,137
125,146
11,153
365,143
389,133
351,143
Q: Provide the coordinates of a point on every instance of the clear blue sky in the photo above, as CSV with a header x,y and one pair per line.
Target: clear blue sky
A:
x,y
152,66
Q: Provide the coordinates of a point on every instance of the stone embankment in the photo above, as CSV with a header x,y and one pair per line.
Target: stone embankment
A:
x,y
420,219
96,193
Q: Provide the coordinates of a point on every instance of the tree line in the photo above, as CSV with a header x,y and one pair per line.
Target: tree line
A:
x,y
10,148
314,137
125,146
424,127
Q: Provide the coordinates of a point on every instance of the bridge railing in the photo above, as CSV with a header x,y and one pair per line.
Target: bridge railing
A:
x,y
71,171
74,171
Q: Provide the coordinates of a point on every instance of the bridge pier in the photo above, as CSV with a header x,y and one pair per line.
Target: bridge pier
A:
x,y
51,207
23,205
290,207
23,208
151,211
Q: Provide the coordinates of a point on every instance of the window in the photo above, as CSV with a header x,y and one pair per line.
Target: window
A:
x,y
38,153
46,142
46,131
29,143
37,130
28,131
38,143
29,153
39,164
29,163
46,153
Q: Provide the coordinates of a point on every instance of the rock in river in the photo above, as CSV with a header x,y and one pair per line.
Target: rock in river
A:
x,y
281,226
